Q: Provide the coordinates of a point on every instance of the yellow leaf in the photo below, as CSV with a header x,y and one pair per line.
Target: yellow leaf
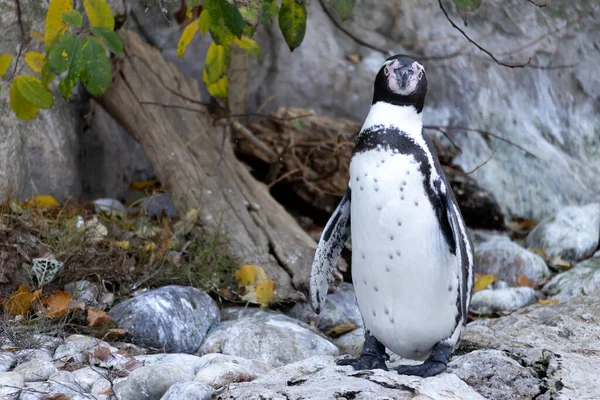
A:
x,y
341,329
37,35
186,37
5,60
265,292
20,301
248,274
245,43
523,280
57,305
35,61
54,22
204,21
124,244
42,202
217,62
145,185
150,246
23,108
99,13
483,281
551,302
217,89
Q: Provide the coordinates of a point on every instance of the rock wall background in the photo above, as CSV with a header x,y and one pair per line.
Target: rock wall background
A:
x,y
553,113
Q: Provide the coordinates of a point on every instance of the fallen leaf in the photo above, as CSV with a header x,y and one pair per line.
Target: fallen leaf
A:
x,y
55,396
115,333
102,353
522,280
353,58
265,292
44,201
57,305
145,185
107,392
20,301
483,281
150,246
124,244
95,231
341,329
248,274
549,302
540,252
561,263
98,318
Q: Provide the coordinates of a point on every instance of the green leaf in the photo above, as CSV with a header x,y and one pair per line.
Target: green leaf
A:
x,y
75,65
466,8
5,60
204,21
23,109
72,18
60,52
111,39
217,62
344,8
47,75
250,11
232,17
249,45
32,90
221,35
96,73
226,21
269,10
292,22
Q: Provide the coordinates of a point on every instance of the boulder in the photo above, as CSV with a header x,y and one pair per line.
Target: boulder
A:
x,y
505,299
582,279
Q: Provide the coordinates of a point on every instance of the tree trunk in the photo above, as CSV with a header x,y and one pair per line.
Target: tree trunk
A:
x,y
185,148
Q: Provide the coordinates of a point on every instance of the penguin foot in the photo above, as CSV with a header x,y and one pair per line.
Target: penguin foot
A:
x,y
365,361
425,370
434,365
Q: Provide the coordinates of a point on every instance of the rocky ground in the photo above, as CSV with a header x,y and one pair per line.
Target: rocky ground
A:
x,y
533,335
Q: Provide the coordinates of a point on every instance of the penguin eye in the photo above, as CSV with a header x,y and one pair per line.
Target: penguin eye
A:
x,y
386,71
420,75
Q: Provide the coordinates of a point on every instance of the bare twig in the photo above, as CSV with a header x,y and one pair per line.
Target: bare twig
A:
x,y
23,39
247,133
537,4
481,165
443,132
156,103
489,53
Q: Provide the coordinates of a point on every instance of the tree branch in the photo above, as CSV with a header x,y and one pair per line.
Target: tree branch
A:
x,y
537,4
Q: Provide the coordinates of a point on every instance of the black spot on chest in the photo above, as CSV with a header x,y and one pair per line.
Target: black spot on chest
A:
x,y
391,138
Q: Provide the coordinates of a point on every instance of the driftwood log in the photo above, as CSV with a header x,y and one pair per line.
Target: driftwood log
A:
x,y
311,153
160,109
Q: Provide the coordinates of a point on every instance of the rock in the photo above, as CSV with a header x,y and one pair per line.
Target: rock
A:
x,y
189,391
6,361
507,260
572,234
25,355
582,279
232,313
100,388
110,206
351,343
157,205
150,382
10,383
36,370
83,290
340,308
495,375
219,370
318,378
559,341
273,339
175,318
190,363
86,377
79,348
506,299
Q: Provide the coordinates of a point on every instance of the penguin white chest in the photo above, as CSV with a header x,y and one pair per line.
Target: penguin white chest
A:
x,y
405,277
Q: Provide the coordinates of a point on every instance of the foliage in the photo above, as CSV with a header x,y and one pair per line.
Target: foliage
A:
x,y
69,47
466,7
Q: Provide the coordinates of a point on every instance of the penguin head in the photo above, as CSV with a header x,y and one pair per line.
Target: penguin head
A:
x,y
401,81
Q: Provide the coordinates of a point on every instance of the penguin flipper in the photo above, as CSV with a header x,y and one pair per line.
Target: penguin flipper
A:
x,y
334,237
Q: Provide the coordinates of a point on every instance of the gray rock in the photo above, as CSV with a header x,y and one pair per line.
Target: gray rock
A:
x,y
318,378
189,362
36,370
77,348
150,382
559,341
84,290
175,318
219,370
231,313
507,260
275,340
41,354
157,205
351,343
340,308
571,234
582,279
495,375
86,377
110,206
10,383
6,361
506,299
100,388
189,391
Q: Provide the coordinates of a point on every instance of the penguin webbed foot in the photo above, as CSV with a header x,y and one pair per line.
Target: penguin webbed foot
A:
x,y
372,356
435,364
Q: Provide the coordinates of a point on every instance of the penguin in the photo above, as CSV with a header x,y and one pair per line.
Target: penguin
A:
x,y
412,260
